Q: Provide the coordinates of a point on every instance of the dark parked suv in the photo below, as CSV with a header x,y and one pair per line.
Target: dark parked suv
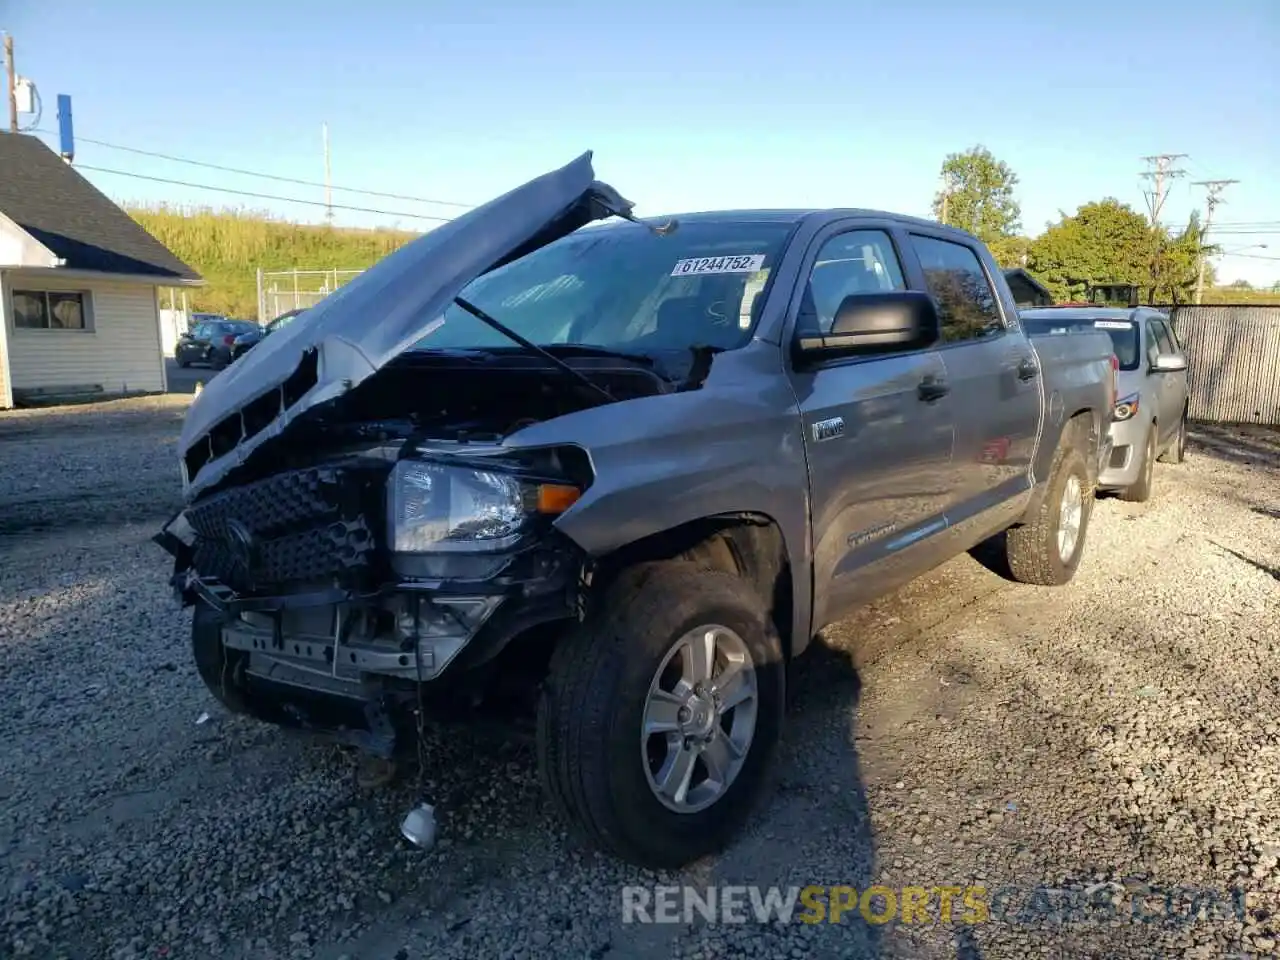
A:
x,y
251,338
209,342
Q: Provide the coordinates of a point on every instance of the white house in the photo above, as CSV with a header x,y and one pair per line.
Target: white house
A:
x,y
79,284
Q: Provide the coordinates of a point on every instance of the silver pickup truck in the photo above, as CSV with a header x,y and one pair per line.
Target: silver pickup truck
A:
x,y
632,466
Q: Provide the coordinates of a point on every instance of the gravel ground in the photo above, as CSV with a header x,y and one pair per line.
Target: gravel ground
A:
x,y
1119,736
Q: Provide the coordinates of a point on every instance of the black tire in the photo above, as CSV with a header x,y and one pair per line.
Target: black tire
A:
x,y
1140,490
591,710
183,364
219,361
1177,451
220,669
1032,548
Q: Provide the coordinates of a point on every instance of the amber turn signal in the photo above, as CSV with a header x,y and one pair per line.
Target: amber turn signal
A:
x,y
556,497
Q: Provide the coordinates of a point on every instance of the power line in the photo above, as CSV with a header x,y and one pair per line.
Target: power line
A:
x,y
1249,256
265,176
260,196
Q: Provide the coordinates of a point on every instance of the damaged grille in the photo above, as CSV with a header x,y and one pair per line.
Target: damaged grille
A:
x,y
229,432
304,525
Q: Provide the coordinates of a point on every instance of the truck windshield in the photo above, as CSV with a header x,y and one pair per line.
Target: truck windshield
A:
x,y
1124,335
624,288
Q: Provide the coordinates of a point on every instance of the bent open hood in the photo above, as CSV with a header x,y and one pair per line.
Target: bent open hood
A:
x,y
362,326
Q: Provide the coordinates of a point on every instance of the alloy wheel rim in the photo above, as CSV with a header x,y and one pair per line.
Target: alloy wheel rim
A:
x,y
699,718
1070,517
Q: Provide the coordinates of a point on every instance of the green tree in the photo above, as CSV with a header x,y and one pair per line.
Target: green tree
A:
x,y
978,195
1010,251
1103,242
1175,266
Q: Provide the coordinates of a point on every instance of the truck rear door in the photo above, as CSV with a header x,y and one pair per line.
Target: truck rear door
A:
x,y
994,378
877,432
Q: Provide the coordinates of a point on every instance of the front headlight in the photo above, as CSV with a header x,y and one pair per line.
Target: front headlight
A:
x,y
436,507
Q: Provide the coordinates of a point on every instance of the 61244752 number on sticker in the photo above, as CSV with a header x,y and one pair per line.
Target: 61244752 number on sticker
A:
x,y
748,263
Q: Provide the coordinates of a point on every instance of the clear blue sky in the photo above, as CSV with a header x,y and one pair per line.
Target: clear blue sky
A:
x,y
686,105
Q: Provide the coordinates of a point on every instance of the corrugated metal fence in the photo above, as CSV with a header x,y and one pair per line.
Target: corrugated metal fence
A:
x,y
1234,354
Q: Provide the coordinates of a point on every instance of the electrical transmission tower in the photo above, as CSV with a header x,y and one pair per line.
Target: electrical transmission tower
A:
x,y
1161,169
1212,197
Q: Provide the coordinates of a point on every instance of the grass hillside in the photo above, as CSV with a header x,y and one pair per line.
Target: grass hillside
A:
x,y
227,247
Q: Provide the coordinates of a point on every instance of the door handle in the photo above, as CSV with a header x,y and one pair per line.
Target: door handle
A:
x,y
932,388
1027,369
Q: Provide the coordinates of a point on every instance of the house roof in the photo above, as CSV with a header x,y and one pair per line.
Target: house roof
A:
x,y
75,220
1019,275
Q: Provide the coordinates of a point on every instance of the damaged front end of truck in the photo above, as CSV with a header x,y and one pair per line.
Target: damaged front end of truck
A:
x,y
354,523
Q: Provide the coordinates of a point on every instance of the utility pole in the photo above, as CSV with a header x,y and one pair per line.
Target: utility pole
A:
x,y
328,181
11,83
947,186
1212,197
1161,171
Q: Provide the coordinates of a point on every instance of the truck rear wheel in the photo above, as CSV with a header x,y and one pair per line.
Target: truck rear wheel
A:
x,y
1047,548
659,719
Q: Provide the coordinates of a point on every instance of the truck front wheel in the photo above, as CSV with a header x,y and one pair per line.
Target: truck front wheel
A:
x,y
219,668
1047,548
659,719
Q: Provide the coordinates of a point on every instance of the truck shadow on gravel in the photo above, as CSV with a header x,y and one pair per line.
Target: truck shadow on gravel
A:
x,y
815,826
812,828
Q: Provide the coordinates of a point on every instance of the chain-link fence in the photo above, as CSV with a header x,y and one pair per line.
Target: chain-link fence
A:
x,y
282,290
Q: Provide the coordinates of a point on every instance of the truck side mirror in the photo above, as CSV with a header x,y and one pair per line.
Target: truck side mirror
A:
x,y
877,323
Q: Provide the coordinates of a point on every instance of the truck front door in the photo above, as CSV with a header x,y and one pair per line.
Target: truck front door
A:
x,y
877,435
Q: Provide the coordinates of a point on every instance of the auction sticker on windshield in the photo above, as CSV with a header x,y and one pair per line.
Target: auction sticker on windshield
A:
x,y
1113,324
699,265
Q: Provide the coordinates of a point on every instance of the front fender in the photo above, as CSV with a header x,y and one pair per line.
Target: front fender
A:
x,y
733,446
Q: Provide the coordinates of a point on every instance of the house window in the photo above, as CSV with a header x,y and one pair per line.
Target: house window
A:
x,y
49,310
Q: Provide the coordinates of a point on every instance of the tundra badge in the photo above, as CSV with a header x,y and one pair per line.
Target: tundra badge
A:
x,y
828,429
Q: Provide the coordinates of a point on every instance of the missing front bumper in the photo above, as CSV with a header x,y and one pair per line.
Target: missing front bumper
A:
x,y
405,635
346,671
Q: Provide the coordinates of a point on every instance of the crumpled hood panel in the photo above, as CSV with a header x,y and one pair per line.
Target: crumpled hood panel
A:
x,y
365,324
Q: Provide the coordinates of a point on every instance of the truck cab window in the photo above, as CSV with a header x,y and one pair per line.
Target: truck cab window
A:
x,y
967,303
861,261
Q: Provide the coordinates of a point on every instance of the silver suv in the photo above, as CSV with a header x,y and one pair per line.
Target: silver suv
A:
x,y
1150,418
